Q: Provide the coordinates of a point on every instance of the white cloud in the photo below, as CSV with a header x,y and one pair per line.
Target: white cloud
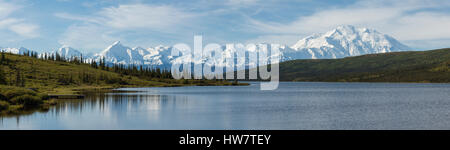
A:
x,y
18,26
279,39
144,16
8,21
104,27
423,26
25,30
162,18
240,2
7,8
77,18
406,20
87,36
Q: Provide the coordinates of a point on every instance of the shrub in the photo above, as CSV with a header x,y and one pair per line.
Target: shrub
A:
x,y
14,92
3,97
183,81
43,96
27,100
116,81
4,105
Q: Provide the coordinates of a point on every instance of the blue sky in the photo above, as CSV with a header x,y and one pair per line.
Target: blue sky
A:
x,y
91,26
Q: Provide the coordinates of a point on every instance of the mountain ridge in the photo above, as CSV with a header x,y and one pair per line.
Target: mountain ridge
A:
x,y
343,41
346,41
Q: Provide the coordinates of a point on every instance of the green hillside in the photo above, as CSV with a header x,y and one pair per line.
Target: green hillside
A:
x,y
415,66
53,76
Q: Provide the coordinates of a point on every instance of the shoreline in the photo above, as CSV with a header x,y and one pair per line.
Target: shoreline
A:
x,y
109,88
350,82
45,102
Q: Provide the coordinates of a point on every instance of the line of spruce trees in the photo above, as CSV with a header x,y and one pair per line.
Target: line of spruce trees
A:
x,y
132,70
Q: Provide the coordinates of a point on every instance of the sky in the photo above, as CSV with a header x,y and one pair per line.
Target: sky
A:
x,y
91,26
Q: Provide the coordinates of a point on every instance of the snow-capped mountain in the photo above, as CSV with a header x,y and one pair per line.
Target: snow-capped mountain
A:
x,y
20,50
120,54
344,41
159,56
340,42
69,52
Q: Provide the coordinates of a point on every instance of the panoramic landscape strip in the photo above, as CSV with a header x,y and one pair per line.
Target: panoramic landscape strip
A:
x,y
208,74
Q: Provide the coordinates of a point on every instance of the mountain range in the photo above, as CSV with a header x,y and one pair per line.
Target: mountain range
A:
x,y
20,50
343,41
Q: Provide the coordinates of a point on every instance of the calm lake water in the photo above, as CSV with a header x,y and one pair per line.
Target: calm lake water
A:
x,y
293,106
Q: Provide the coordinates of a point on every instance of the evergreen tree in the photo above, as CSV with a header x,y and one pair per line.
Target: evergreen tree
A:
x,y
2,76
22,81
18,77
2,58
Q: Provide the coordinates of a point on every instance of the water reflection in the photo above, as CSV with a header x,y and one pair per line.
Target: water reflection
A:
x,y
114,106
292,106
119,104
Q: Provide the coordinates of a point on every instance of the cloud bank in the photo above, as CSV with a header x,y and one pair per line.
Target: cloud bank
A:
x,y
15,28
414,22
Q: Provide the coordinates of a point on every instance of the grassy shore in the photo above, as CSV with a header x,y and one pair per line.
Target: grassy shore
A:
x,y
16,99
20,100
106,88
26,81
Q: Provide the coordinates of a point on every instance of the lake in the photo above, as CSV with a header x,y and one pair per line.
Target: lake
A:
x,y
294,105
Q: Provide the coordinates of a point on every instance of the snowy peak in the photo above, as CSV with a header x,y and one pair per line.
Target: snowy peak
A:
x,y
20,50
116,47
348,40
68,52
115,53
141,51
120,54
116,43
